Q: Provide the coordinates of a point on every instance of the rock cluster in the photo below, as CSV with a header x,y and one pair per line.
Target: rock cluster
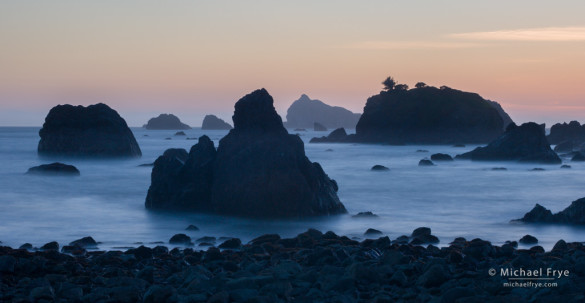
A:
x,y
258,170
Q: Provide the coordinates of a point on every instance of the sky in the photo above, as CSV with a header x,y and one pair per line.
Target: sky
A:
x,y
193,58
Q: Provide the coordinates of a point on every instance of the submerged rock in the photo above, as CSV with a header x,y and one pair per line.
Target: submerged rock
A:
x,y
426,162
258,170
380,167
525,143
54,169
574,214
167,122
93,131
212,122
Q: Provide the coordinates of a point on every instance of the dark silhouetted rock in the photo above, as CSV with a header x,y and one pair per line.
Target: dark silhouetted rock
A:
x,y
426,162
574,214
578,157
258,170
428,115
93,131
26,246
572,132
525,143
336,136
565,147
499,168
85,242
565,166
54,169
212,122
50,246
192,227
304,112
422,151
181,133
528,239
365,214
372,232
233,243
167,122
180,239
318,127
380,167
538,169
441,157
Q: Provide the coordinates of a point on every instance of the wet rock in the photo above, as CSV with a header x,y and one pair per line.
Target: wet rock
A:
x,y
560,246
233,243
426,162
435,276
180,239
54,169
50,246
366,214
528,239
380,167
372,232
268,238
85,242
7,264
26,246
160,293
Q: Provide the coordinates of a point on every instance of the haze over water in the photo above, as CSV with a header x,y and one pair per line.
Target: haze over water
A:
x,y
460,198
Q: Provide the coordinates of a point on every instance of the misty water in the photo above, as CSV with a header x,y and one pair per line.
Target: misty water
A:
x,y
460,198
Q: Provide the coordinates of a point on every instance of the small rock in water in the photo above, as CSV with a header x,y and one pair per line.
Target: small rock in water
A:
x,y
27,246
84,242
537,169
380,167
499,168
50,246
528,239
426,162
180,133
180,239
565,166
422,151
422,235
441,157
169,138
372,232
146,165
365,214
56,168
192,227
233,243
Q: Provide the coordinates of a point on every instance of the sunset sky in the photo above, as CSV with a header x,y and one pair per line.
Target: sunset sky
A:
x,y
193,57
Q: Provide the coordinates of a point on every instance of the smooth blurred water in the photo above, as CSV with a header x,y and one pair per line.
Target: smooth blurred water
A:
x,y
460,198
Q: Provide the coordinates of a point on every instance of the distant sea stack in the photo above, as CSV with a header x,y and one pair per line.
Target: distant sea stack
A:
x,y
428,115
524,143
166,122
258,170
572,132
93,131
212,122
304,112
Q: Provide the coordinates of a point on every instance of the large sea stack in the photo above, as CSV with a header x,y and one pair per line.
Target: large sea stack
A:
x,y
258,170
572,132
166,122
428,115
524,143
304,112
93,131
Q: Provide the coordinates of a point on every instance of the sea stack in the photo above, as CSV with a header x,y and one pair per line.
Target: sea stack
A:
x,y
166,122
212,122
304,112
93,131
524,143
258,170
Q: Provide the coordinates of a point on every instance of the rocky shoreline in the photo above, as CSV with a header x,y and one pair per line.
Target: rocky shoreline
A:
x,y
312,267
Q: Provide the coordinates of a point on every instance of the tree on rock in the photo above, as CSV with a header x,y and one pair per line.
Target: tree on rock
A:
x,y
389,83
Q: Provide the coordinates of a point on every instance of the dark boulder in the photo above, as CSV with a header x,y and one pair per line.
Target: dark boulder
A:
x,y
54,169
93,131
528,240
525,143
565,166
378,167
318,127
212,122
567,132
428,115
50,246
180,239
338,135
180,133
426,162
258,170
304,112
365,214
372,232
85,242
166,121
233,243
441,157
574,214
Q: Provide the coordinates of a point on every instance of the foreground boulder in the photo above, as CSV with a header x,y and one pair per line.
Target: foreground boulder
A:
x,y
166,122
93,131
304,112
258,170
525,143
574,214
212,122
54,169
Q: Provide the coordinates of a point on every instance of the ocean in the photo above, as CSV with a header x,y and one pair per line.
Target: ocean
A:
x,y
455,199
